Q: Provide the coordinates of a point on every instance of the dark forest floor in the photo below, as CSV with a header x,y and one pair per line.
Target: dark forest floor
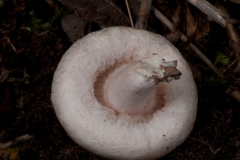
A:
x,y
30,49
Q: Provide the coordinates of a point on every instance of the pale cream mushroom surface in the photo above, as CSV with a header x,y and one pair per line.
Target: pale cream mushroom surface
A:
x,y
112,94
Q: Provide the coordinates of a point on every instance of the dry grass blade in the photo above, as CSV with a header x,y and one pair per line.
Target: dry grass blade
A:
x,y
211,11
100,11
129,13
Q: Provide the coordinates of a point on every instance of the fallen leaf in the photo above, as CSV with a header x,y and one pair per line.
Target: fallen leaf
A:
x,y
100,11
191,23
197,25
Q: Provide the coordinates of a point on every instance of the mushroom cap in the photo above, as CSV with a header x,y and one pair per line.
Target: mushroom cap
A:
x,y
96,127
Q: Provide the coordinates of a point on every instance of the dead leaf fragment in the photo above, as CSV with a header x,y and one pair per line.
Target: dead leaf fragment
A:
x,y
173,37
74,26
197,25
4,75
176,16
100,11
235,47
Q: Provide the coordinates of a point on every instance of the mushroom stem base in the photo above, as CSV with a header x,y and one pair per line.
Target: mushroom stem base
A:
x,y
133,89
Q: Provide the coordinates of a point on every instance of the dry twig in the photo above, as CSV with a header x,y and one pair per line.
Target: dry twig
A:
x,y
169,25
143,14
8,40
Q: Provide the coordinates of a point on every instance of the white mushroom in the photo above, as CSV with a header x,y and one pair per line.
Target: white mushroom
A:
x,y
110,93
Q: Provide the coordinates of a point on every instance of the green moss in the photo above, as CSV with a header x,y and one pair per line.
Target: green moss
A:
x,y
40,25
39,22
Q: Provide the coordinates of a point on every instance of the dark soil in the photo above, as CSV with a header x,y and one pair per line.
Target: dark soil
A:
x,y
31,56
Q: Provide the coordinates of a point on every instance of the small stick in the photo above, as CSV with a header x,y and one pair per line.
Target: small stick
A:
x,y
234,93
234,1
234,37
169,25
211,11
229,66
232,34
13,47
17,140
143,14
229,27
40,34
234,21
129,13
